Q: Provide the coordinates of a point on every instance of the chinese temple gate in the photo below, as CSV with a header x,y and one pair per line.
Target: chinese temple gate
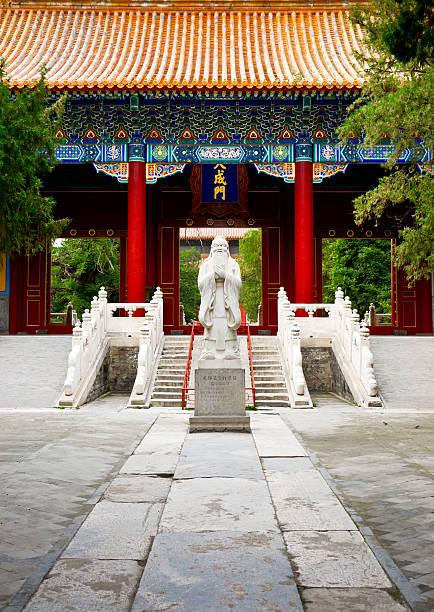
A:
x,y
180,115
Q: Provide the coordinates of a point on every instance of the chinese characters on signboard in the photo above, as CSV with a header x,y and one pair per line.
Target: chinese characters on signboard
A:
x,y
219,184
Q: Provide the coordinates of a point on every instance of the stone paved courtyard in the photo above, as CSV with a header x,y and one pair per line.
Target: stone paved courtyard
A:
x,y
52,464
382,463
123,509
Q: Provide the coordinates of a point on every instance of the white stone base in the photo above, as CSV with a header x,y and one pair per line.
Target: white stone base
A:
x,y
220,423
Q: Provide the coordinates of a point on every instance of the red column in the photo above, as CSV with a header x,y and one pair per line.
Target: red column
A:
x,y
303,225
136,249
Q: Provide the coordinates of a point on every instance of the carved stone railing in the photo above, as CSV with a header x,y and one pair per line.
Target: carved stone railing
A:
x,y
151,336
91,338
349,337
288,335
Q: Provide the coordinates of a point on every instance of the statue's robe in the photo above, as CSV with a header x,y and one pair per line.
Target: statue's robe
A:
x,y
219,309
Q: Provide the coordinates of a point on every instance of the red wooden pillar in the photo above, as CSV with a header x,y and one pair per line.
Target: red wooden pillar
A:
x,y
303,225
136,247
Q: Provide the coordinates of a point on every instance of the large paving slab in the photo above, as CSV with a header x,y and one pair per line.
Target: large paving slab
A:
x,y
116,531
74,585
226,571
302,498
206,455
158,441
158,453
175,421
350,600
137,488
161,461
273,438
33,370
334,559
218,504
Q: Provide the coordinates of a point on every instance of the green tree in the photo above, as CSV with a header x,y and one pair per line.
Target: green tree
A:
x,y
27,152
189,261
250,262
396,104
80,266
361,268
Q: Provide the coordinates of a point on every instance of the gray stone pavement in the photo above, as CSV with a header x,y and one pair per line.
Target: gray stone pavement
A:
x,y
382,463
216,521
32,370
404,367
52,464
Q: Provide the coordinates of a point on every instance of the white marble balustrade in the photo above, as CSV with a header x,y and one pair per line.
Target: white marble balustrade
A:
x,y
91,337
349,339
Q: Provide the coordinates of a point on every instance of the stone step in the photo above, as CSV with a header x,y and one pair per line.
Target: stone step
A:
x,y
271,376
175,349
266,362
267,367
272,396
272,403
173,360
266,387
164,394
264,348
171,366
170,382
166,403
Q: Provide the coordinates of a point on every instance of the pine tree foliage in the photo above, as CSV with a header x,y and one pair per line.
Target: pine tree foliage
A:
x,y
189,260
80,266
27,152
397,104
362,269
250,262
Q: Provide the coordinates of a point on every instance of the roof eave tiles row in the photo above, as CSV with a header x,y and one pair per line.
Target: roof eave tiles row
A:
x,y
106,49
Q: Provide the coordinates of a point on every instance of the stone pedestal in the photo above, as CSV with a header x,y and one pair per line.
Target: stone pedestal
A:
x,y
220,398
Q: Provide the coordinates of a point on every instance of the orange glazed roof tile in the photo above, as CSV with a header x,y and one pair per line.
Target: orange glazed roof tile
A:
x,y
132,48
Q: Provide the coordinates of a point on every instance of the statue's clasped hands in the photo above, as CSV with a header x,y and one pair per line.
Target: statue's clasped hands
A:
x,y
220,272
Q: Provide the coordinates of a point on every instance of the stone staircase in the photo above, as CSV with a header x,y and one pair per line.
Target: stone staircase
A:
x,y
167,389
271,389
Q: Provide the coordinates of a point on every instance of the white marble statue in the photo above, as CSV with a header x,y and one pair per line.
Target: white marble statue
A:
x,y
219,285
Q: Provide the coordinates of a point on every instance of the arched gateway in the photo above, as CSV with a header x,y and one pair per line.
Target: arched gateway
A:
x,y
196,114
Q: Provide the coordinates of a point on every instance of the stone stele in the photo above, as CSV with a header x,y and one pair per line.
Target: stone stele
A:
x,y
219,377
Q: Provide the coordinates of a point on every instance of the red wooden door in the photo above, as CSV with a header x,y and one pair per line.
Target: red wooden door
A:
x,y
413,305
271,275
168,274
30,291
